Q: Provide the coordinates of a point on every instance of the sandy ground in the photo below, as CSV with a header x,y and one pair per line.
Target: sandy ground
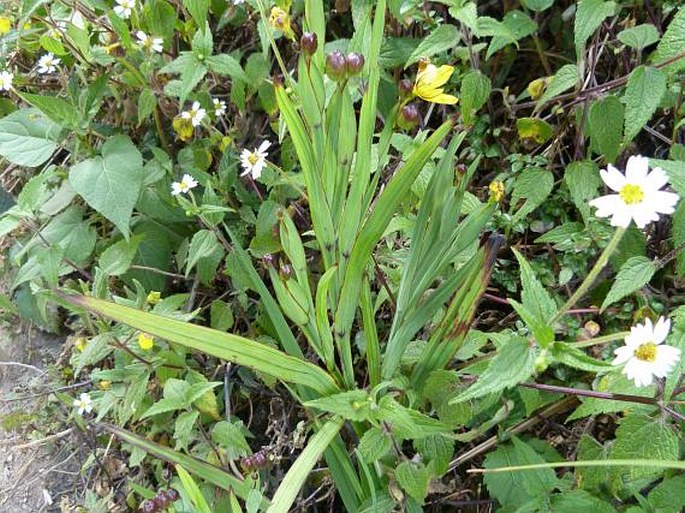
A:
x,y
40,459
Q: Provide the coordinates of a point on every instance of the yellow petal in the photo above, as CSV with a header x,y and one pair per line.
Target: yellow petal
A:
x,y
442,75
5,25
445,99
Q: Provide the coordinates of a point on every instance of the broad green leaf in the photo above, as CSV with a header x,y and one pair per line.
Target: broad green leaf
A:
x,y
28,137
58,110
589,16
374,444
183,429
351,405
533,185
233,348
617,383
672,44
534,296
198,9
52,45
437,450
642,437
299,472
475,89
605,126
444,37
513,364
203,244
160,18
210,473
224,64
110,183
564,79
535,129
117,258
519,23
537,5
645,88
414,477
231,436
579,500
675,169
72,233
669,495
678,231
640,36
583,181
221,315
146,104
514,489
591,478
634,275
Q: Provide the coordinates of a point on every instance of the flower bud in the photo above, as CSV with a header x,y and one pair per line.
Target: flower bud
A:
x,y
268,259
405,87
409,117
149,507
461,169
286,271
354,63
309,43
172,495
335,65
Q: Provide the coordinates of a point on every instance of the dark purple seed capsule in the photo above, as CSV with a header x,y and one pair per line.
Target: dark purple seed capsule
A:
x,y
259,460
409,116
286,271
405,87
268,259
161,502
149,507
172,495
309,43
335,65
355,63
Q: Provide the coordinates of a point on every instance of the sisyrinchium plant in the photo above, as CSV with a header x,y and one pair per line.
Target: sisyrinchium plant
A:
x,y
242,211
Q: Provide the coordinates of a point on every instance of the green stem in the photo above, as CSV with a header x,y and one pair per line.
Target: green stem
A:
x,y
592,275
600,340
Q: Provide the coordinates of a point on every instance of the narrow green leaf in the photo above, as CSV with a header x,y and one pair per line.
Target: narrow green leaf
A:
x,y
297,474
233,348
193,491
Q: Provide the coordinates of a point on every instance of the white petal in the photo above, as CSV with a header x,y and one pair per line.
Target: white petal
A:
x,y
623,354
661,329
613,178
643,214
263,147
656,179
622,216
662,201
196,106
607,205
667,357
637,168
640,372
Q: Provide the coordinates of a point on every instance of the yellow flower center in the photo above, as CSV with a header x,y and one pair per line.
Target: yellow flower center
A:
x,y
253,158
632,194
646,352
183,186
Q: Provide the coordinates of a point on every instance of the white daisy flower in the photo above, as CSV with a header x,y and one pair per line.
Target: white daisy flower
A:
x,y
151,44
639,196
195,114
48,63
186,183
254,161
6,80
219,107
84,404
645,355
236,2
124,8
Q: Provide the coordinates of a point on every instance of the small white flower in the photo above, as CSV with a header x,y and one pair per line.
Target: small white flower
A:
x,y
84,404
254,161
124,8
152,44
219,107
48,63
645,354
195,114
236,2
186,183
6,80
639,196
77,20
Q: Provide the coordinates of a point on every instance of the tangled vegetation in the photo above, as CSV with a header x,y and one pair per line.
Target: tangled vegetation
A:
x,y
355,256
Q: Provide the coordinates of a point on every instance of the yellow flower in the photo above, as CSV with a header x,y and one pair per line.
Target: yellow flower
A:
x,y
146,342
280,20
183,127
537,87
154,297
5,25
429,82
105,384
496,189
80,344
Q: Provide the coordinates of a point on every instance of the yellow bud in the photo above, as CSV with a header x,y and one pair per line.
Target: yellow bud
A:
x,y
154,297
80,344
280,20
183,127
5,25
105,384
223,144
146,342
537,87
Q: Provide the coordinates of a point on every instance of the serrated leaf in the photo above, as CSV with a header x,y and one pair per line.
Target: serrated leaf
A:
x,y
634,275
230,436
605,126
534,296
617,383
198,9
589,16
60,111
535,129
374,444
183,429
640,36
165,405
534,185
224,64
537,5
642,437
564,79
110,183
513,364
475,90
583,181
579,500
203,244
678,231
28,137
574,357
669,495
515,488
117,258
519,23
437,450
413,478
591,478
645,88
672,44
351,405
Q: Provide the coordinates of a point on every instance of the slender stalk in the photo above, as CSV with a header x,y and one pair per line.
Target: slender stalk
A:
x,y
592,275
601,340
